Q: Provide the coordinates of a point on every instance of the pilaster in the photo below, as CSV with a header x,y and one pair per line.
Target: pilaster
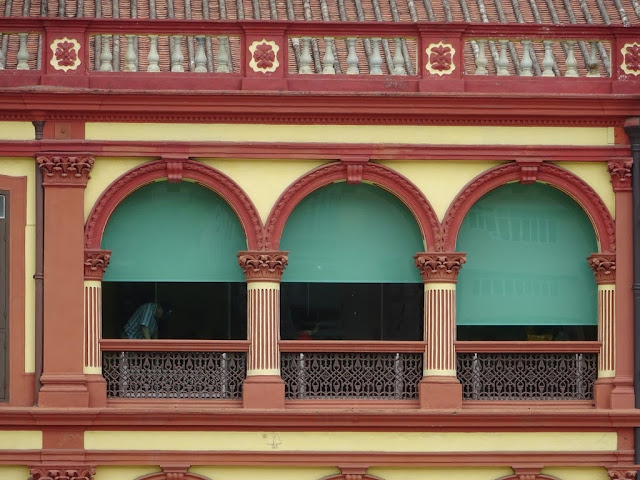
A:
x,y
263,270
439,387
64,179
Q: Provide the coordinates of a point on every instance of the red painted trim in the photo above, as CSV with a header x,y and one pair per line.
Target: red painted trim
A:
x,y
350,346
352,404
527,347
560,178
149,172
325,151
118,345
379,175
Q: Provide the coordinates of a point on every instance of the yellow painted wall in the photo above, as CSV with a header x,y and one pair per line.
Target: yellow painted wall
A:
x,y
424,473
123,473
381,134
350,441
597,176
105,170
20,440
17,131
577,473
263,473
11,472
263,180
25,167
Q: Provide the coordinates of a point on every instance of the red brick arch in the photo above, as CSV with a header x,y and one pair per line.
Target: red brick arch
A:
x,y
378,175
153,171
580,191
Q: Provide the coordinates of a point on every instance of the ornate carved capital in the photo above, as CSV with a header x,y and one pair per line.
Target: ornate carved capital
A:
x,y
604,267
620,474
62,473
95,263
65,169
263,266
620,171
439,267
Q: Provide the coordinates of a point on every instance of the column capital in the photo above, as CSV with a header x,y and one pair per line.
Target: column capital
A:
x,y
620,171
95,263
263,266
61,473
439,267
604,267
62,169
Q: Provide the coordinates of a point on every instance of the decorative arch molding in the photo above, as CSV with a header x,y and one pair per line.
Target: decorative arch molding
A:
x,y
352,472
378,175
161,169
576,188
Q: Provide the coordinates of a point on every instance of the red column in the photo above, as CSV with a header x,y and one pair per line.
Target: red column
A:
x,y
263,387
63,381
439,387
622,395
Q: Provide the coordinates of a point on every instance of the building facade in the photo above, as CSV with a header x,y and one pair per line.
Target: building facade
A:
x,y
318,240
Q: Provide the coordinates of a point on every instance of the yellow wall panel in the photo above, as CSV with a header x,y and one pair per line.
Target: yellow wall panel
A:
x,y
105,170
11,472
17,131
351,441
577,473
425,473
263,180
379,134
597,176
263,473
440,181
20,440
123,473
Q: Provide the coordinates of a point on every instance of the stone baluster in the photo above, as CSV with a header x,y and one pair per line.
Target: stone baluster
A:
x,y
593,63
503,60
106,57
3,57
571,63
439,387
398,58
481,58
23,53
131,56
526,64
200,57
153,57
352,57
305,56
223,55
329,59
375,61
95,264
548,61
176,54
263,270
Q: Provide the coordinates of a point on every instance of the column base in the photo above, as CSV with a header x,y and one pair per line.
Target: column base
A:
x,y
440,392
63,390
97,387
622,396
602,392
263,391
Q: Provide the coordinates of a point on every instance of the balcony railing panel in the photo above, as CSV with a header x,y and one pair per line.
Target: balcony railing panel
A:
x,y
20,51
527,376
147,372
340,375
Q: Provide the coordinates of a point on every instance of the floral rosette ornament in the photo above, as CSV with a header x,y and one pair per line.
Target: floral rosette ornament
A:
x,y
440,58
264,56
66,54
631,58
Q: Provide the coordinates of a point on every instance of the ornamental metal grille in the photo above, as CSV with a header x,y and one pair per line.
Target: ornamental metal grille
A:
x,y
174,374
527,376
339,375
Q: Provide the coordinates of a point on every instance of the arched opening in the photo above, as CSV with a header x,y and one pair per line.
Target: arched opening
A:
x,y
351,274
175,245
526,276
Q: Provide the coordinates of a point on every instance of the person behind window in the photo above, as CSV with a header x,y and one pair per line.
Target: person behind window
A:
x,y
145,321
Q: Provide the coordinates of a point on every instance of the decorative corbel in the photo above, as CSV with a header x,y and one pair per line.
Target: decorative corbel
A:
x,y
620,171
528,170
355,168
174,166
